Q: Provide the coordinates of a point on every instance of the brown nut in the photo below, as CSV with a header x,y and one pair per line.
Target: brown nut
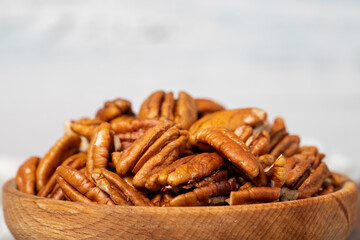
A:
x,y
260,143
200,196
308,150
63,148
206,106
98,153
230,119
162,106
277,132
120,125
117,185
200,166
114,193
70,193
170,135
278,173
159,179
266,161
313,183
255,195
76,161
318,158
288,146
25,177
85,127
297,165
78,183
244,132
230,147
159,161
113,109
132,154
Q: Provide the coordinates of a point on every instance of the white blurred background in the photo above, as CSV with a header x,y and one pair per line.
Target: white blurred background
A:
x,y
61,60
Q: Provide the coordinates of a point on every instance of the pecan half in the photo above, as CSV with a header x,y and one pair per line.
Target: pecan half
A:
x,y
132,154
297,165
113,109
124,126
278,173
200,196
50,189
230,119
266,160
288,146
98,154
161,105
244,132
308,150
277,132
159,179
313,183
70,193
76,183
116,186
317,161
147,146
230,147
159,161
25,177
63,148
199,166
185,111
85,127
170,135
255,195
115,194
260,143
206,106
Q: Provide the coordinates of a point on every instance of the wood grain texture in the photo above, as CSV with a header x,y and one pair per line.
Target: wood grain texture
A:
x,y
327,217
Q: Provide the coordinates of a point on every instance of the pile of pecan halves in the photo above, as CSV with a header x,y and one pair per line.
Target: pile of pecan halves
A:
x,y
177,152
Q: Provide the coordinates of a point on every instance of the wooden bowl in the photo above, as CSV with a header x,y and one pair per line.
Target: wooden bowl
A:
x,y
327,217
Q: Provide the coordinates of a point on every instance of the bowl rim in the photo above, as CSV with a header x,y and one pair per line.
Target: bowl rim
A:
x,y
348,187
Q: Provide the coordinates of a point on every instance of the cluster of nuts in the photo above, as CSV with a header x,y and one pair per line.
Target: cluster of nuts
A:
x,y
177,152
